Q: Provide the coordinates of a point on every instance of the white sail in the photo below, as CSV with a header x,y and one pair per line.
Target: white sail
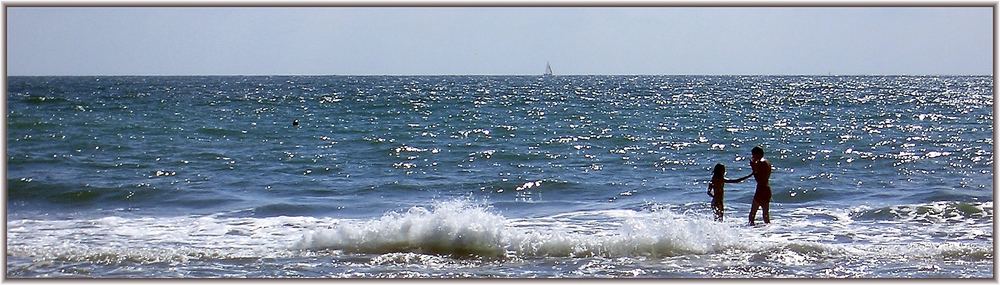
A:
x,y
548,69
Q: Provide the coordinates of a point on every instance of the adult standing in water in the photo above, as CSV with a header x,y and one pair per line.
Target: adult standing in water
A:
x,y
762,196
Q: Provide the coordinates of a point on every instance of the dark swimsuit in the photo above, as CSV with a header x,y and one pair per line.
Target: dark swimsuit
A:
x,y
762,195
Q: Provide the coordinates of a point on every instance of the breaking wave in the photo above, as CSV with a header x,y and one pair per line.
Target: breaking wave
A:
x,y
460,228
457,229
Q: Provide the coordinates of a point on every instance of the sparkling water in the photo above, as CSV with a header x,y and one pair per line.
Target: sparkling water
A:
x,y
496,176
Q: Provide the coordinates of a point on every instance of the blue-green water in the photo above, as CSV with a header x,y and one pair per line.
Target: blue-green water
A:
x,y
496,176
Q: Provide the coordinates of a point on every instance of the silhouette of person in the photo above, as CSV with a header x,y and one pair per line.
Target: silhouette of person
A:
x,y
295,123
716,188
762,196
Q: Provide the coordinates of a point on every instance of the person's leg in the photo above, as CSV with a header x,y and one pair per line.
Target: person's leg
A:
x,y
722,211
753,210
717,210
765,203
766,212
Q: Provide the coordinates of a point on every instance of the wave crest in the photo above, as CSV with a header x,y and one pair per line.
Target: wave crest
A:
x,y
454,228
934,213
461,229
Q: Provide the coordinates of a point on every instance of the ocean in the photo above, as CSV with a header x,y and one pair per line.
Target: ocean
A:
x,y
497,176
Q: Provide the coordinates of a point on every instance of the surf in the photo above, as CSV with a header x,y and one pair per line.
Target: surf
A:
x,y
462,228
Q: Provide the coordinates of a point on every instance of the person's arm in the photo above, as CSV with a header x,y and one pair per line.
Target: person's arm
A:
x,y
710,190
738,180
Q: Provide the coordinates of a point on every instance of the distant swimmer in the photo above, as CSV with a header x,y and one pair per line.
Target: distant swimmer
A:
x,y
762,196
295,123
716,188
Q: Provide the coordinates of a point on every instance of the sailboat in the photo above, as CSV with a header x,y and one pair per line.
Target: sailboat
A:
x,y
548,69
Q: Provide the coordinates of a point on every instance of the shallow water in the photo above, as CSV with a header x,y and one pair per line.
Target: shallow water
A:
x,y
479,176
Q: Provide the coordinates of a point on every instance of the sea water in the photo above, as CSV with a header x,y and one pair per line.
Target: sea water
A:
x,y
497,176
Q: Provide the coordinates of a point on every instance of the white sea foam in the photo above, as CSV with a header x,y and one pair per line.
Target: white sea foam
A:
x,y
449,228
655,234
467,230
149,239
460,228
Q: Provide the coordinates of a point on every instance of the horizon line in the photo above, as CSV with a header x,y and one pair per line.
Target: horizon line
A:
x,y
505,3
442,75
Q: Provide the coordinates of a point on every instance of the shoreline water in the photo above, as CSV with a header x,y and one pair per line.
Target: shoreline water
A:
x,y
496,176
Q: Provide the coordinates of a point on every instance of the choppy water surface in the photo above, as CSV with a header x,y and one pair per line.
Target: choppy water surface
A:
x,y
476,176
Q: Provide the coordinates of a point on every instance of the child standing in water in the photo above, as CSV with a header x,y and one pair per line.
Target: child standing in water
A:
x,y
716,188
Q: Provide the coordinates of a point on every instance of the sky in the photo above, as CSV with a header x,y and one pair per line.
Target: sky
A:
x,y
499,41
